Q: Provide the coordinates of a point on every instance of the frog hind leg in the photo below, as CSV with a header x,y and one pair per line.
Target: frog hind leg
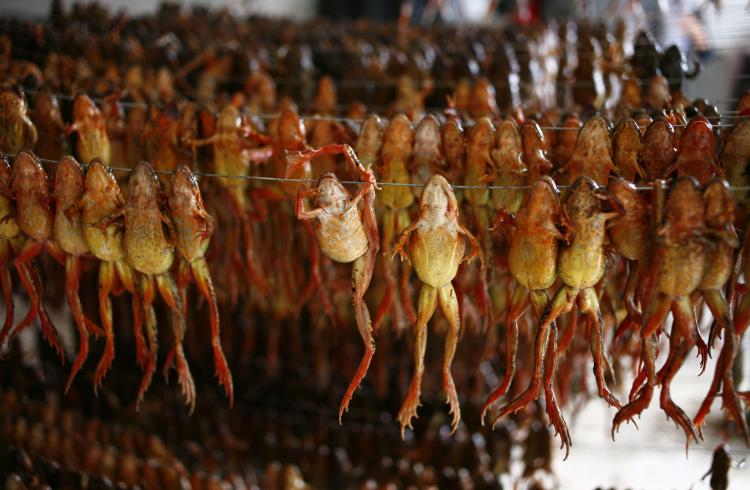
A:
x,y
147,294
400,314
570,331
655,315
206,288
518,305
640,398
361,274
562,303
402,222
387,267
680,344
183,274
427,305
589,305
168,291
633,317
641,395
702,347
449,307
24,274
723,366
539,301
731,403
254,270
33,285
717,303
384,306
742,315
552,407
7,287
723,374
106,283
72,274
127,277
482,218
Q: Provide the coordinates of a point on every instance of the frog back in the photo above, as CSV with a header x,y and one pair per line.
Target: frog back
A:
x,y
395,196
69,233
681,269
34,218
581,264
105,244
476,168
8,224
719,264
146,246
188,234
533,259
94,143
12,135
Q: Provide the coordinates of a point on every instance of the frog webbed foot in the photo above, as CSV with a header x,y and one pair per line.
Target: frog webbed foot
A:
x,y
409,407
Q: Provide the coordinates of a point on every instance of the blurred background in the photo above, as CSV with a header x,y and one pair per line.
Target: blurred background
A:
x,y
719,30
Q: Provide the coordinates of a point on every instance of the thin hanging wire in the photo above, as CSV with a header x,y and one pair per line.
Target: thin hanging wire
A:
x,y
263,178
267,116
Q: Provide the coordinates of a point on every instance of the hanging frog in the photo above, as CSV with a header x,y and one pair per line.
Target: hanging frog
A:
x,y
435,245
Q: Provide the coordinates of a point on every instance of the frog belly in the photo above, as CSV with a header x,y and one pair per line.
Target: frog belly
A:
x,y
436,254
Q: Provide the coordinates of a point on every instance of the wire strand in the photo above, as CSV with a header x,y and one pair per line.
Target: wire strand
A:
x,y
263,178
267,116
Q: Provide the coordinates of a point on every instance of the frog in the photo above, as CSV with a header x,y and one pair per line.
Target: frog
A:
x,y
722,242
68,234
592,156
346,233
508,167
91,127
627,144
193,227
101,197
34,215
18,130
659,151
678,267
148,246
532,259
435,244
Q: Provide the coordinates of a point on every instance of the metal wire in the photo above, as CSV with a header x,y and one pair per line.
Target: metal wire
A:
x,y
266,116
262,178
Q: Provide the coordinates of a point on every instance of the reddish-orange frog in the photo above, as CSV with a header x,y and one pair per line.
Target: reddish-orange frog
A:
x,y
193,228
16,129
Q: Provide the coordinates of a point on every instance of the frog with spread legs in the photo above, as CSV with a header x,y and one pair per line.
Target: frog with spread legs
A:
x,y
10,233
580,266
68,231
346,233
533,263
721,211
147,243
193,228
101,197
30,189
678,265
435,245
91,127
17,131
